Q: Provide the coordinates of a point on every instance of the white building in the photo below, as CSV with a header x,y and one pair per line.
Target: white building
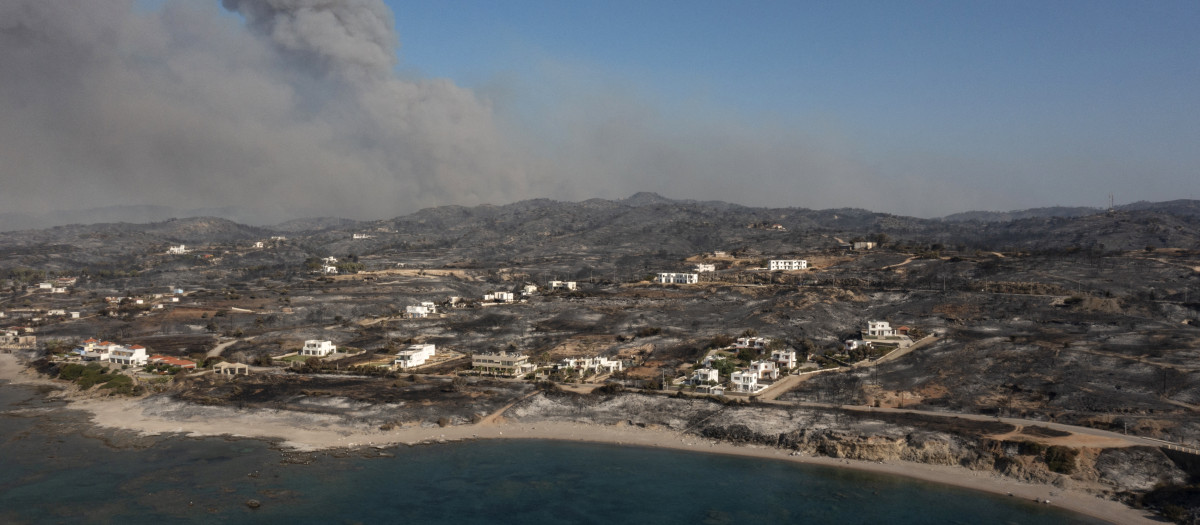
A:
x,y
784,358
329,260
134,355
502,363
600,365
421,311
45,286
787,264
879,329
14,338
852,344
177,250
745,381
562,285
360,236
318,348
329,270
756,343
765,369
706,268
863,245
719,253
503,297
529,290
702,376
678,278
414,356
258,244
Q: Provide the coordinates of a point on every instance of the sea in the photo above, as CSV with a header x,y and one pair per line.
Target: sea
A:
x,y
55,468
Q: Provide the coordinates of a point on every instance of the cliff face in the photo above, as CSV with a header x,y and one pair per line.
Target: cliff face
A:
x,y
870,437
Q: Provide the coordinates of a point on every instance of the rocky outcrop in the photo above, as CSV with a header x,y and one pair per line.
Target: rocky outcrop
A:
x,y
867,437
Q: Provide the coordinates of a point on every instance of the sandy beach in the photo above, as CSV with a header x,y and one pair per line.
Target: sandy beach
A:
x,y
313,432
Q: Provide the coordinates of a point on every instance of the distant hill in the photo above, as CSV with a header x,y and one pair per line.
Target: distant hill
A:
x,y
1004,216
641,231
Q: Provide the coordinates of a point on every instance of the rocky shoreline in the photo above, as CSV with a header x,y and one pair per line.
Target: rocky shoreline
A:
x,y
1099,484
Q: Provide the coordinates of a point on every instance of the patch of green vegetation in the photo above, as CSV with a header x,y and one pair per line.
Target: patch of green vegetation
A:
x,y
1061,459
92,374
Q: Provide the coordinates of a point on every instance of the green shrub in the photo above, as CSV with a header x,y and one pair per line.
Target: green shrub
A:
x,y
1061,459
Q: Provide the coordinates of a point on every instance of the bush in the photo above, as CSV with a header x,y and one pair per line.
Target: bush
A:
x,y
1061,459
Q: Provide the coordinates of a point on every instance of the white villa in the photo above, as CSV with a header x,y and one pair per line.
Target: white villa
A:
x,y
863,245
318,348
744,381
787,264
529,289
765,369
414,356
601,365
678,278
706,268
702,376
879,329
329,270
499,296
258,244
131,355
502,363
751,342
329,260
425,309
784,358
562,285
177,250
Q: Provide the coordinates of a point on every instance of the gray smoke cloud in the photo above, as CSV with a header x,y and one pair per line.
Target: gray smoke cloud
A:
x,y
292,109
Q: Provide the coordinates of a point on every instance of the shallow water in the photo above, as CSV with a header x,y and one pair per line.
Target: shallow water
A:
x,y
51,472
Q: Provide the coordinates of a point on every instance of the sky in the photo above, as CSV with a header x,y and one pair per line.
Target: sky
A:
x,y
376,108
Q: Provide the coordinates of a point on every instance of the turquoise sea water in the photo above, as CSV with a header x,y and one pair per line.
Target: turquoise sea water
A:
x,y
51,473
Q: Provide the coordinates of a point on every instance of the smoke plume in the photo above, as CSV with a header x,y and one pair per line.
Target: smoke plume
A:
x,y
291,108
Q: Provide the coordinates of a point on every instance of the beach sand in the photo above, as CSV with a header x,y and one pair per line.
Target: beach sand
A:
x,y
313,432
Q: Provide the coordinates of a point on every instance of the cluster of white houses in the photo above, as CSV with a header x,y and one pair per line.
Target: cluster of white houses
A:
x,y
744,380
93,349
694,277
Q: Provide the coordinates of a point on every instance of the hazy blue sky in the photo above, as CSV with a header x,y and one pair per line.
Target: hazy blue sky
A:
x,y
376,108
1062,101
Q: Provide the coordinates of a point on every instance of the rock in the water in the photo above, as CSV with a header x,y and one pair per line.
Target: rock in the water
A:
x,y
253,503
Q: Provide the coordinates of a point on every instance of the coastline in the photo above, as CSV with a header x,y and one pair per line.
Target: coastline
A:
x,y
317,432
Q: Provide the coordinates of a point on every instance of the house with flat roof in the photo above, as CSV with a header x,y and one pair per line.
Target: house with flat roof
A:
x,y
318,348
600,365
133,355
502,364
562,285
744,381
787,264
678,278
878,329
232,369
702,376
414,356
